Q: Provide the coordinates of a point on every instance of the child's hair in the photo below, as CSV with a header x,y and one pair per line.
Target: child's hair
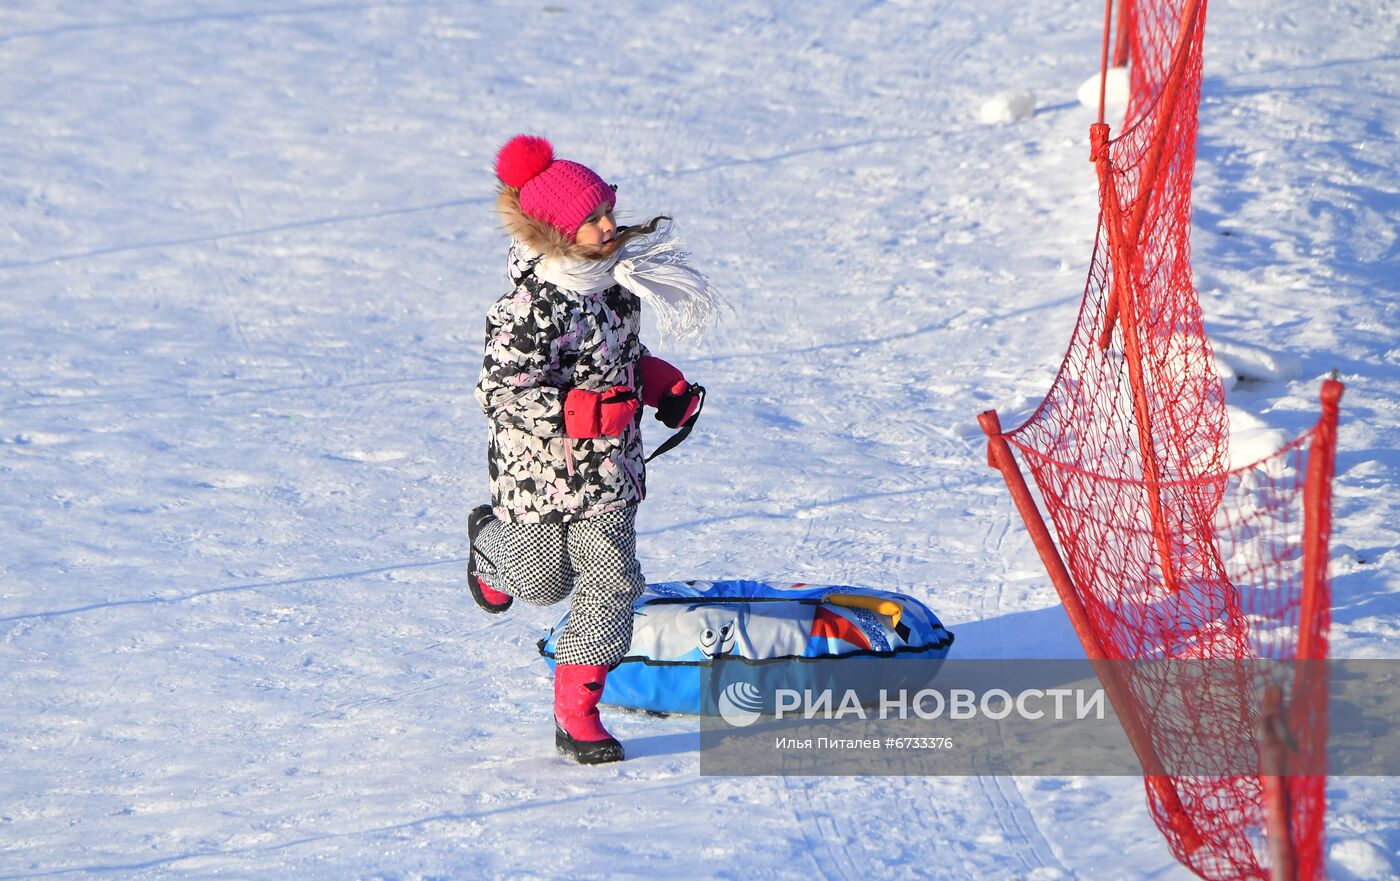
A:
x,y
626,233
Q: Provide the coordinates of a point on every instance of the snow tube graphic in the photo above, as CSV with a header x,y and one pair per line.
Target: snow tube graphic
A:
x,y
681,628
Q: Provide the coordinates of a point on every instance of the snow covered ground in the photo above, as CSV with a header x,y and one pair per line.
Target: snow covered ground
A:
x,y
246,253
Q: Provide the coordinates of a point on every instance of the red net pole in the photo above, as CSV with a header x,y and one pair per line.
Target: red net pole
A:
x,y
1307,711
1166,114
1123,298
1313,616
1103,65
1130,234
1000,457
1123,256
1278,809
1160,551
1123,41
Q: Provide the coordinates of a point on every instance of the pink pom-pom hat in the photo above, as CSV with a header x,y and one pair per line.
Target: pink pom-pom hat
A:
x,y
553,191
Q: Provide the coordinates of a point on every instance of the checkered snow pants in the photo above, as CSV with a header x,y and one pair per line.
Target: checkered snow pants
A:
x,y
594,558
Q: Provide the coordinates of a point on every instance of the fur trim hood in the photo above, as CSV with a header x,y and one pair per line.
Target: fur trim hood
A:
x,y
539,236
649,262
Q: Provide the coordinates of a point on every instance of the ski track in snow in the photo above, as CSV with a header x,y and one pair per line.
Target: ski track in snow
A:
x,y
1020,831
247,256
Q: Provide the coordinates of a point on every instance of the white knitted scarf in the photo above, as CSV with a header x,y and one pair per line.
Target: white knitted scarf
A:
x,y
655,267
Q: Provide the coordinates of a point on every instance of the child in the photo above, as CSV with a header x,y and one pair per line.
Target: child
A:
x,y
562,385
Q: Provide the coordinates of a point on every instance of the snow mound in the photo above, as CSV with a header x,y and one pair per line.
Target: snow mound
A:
x,y
1346,559
1253,445
1359,859
1007,107
1235,363
1251,438
1115,99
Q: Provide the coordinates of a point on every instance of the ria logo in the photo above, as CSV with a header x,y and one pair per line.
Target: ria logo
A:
x,y
740,704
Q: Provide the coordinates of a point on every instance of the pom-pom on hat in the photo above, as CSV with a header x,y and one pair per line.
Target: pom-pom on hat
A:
x,y
553,191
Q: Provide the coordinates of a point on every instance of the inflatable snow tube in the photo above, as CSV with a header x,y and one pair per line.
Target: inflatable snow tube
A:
x,y
680,628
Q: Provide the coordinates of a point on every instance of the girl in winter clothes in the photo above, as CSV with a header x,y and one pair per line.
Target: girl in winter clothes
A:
x,y
562,383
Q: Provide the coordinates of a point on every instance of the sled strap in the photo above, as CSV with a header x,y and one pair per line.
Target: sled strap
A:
x,y
674,440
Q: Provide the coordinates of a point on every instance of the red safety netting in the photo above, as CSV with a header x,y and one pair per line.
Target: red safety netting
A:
x,y
1167,553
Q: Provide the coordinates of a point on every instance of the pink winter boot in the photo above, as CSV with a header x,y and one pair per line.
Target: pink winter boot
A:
x,y
578,732
486,596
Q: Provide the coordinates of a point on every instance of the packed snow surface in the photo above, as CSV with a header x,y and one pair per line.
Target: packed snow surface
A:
x,y
247,252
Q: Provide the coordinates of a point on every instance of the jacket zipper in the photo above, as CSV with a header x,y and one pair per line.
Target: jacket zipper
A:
x,y
628,437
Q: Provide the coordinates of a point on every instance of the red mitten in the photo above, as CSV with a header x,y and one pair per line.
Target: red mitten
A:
x,y
678,404
616,407
658,378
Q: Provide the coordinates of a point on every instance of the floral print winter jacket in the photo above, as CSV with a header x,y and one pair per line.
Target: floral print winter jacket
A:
x,y
542,341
